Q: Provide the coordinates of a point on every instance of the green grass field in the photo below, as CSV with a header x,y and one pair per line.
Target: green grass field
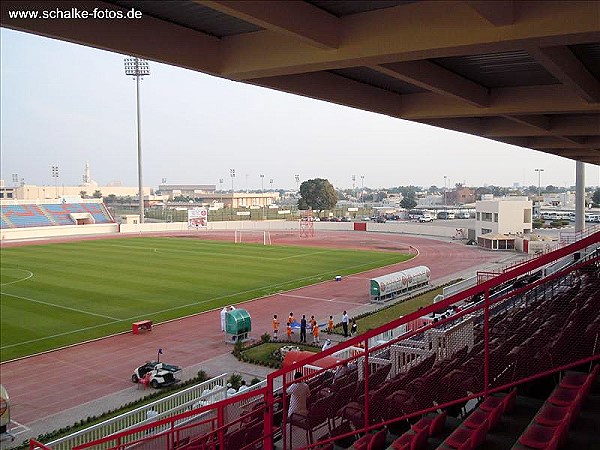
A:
x,y
59,294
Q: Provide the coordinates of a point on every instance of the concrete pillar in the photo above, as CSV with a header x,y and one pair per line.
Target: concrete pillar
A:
x,y
579,196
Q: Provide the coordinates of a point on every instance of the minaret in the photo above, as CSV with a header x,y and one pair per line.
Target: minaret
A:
x,y
86,174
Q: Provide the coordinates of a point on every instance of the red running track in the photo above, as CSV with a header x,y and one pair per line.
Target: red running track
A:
x,y
49,383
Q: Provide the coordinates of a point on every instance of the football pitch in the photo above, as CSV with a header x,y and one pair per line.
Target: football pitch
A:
x,y
59,294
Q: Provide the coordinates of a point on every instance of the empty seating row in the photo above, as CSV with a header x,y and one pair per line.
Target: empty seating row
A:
x,y
550,426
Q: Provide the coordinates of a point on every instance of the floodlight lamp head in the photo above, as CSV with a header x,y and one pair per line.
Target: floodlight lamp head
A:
x,y
136,67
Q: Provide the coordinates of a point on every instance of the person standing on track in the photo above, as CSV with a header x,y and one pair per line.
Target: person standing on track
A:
x,y
345,320
303,329
223,314
330,325
315,330
275,327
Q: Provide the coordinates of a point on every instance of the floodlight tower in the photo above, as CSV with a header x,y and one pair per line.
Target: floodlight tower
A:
x,y
539,171
55,176
297,177
232,175
138,68
362,187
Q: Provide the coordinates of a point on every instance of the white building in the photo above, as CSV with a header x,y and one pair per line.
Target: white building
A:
x,y
506,215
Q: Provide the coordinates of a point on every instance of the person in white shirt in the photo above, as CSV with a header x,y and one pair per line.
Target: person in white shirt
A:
x,y
326,345
299,393
345,320
297,411
223,314
243,387
230,390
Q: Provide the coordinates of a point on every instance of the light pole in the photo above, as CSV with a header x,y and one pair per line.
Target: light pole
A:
x,y
221,188
232,175
55,176
262,191
138,68
539,171
445,177
362,187
297,177
15,179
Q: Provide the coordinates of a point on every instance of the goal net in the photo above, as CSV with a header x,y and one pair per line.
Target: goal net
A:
x,y
252,237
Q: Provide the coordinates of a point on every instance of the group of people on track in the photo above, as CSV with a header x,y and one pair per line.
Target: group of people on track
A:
x,y
311,325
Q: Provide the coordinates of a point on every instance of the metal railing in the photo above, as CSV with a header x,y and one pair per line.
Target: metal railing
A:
x,y
205,393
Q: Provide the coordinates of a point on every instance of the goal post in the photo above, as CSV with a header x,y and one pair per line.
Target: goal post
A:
x,y
252,237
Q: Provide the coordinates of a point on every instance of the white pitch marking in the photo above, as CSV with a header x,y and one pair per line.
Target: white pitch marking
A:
x,y
61,307
18,281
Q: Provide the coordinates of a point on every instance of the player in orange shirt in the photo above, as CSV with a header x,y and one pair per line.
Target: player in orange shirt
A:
x,y
275,327
330,325
289,331
315,333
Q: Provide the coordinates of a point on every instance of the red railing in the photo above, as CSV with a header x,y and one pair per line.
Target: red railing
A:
x,y
508,330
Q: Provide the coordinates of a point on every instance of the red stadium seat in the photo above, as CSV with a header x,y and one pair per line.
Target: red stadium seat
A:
x,y
563,397
378,440
551,415
363,442
543,437
435,424
461,435
412,441
477,417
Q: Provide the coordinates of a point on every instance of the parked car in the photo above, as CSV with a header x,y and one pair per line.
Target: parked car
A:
x,y
380,219
159,374
425,218
346,219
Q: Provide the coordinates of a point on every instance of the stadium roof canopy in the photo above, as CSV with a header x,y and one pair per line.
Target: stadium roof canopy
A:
x,y
521,72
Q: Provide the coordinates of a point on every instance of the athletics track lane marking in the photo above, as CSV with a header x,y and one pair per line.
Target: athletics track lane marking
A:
x,y
334,299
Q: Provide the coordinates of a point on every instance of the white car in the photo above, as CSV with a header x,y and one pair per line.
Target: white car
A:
x,y
425,219
159,374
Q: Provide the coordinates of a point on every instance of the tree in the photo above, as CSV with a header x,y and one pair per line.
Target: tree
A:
x,y
408,198
596,197
110,199
83,194
97,194
317,194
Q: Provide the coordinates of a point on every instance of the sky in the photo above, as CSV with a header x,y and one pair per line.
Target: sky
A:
x,y
64,104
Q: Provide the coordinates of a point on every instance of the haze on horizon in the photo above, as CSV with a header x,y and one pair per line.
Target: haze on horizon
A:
x,y
64,104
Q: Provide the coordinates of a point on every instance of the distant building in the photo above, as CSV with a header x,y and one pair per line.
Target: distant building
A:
x,y
87,189
33,192
460,196
186,190
506,215
560,200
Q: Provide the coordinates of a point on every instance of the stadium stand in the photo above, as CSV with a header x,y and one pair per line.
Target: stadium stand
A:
x,y
21,216
452,384
45,215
